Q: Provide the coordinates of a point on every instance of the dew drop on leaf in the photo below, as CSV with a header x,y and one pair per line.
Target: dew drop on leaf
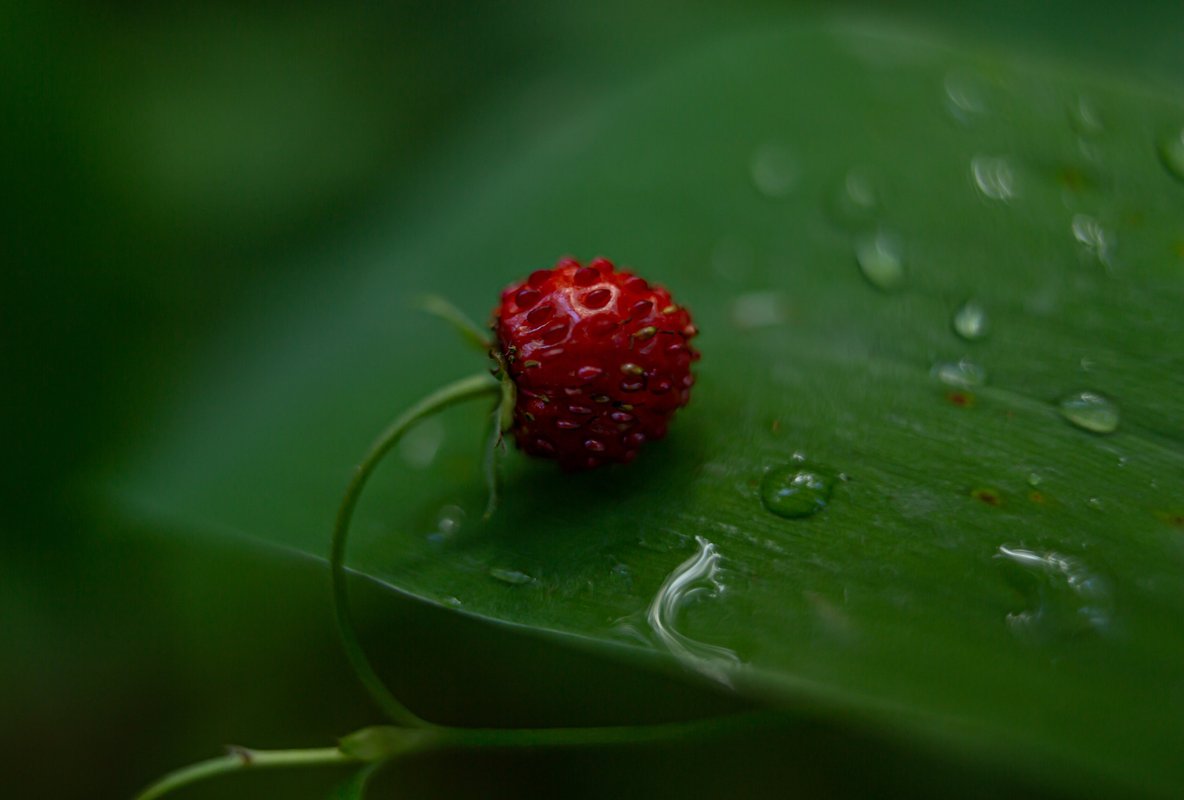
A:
x,y
880,260
965,96
962,374
1090,411
511,576
971,321
1059,595
797,489
993,177
1094,238
855,200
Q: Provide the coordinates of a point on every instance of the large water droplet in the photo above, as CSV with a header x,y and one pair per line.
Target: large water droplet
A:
x,y
774,171
971,321
797,489
1061,595
511,576
693,579
994,177
880,260
1171,154
962,374
1090,411
1092,236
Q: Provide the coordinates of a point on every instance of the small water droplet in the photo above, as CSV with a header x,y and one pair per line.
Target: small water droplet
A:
x,y
1096,504
856,200
994,177
1090,411
1034,479
880,260
449,520
971,321
1094,238
453,602
797,489
1171,154
511,576
759,310
1084,116
774,171
963,374
1061,596
965,96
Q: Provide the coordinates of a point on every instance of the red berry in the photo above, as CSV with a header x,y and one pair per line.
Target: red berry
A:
x,y
600,358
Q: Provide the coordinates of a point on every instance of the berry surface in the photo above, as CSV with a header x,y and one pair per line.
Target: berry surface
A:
x,y
600,358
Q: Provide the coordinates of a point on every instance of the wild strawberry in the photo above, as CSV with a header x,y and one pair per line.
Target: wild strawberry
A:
x,y
600,360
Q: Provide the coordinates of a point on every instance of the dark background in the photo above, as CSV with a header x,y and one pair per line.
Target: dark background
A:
x,y
167,167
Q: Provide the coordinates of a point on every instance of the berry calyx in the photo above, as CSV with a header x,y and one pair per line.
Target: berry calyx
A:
x,y
600,360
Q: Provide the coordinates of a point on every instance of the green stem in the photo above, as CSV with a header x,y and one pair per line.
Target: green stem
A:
x,y
607,735
467,389
434,304
240,758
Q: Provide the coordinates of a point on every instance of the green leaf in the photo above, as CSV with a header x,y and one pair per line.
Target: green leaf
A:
x,y
985,573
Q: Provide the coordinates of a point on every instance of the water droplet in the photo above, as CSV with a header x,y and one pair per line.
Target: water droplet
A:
x,y
449,520
1090,411
797,489
965,96
448,523
880,260
1094,238
622,574
510,576
856,200
453,602
994,177
1171,154
1061,596
774,171
1084,116
692,580
971,321
1096,504
759,310
1034,479
962,374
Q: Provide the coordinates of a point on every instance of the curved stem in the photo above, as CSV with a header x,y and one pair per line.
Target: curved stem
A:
x,y
434,304
240,758
608,735
469,388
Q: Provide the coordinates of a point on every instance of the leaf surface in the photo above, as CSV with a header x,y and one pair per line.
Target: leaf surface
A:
x,y
986,573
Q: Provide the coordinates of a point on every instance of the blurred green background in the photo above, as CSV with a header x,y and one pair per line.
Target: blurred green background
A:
x,y
167,168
